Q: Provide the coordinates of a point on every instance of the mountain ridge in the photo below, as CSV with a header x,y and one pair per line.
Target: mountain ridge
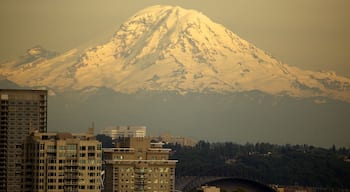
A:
x,y
166,48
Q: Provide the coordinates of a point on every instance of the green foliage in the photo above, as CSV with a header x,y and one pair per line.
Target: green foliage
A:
x,y
286,165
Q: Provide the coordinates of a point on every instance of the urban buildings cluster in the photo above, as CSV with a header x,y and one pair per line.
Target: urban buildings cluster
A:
x,y
34,160
116,132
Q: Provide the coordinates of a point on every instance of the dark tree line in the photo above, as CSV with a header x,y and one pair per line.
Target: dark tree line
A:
x,y
275,164
302,165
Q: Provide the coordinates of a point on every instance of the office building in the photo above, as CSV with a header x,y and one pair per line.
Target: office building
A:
x,y
124,131
19,110
62,162
136,164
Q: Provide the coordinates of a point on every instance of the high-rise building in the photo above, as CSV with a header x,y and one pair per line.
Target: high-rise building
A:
x,y
19,110
136,164
62,162
124,131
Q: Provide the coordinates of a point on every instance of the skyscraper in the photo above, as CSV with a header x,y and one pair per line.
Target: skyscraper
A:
x,y
20,111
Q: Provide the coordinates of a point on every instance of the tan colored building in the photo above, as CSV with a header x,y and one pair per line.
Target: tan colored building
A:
x,y
176,140
136,164
63,162
124,131
19,110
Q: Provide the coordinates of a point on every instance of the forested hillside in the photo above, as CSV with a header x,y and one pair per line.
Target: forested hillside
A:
x,y
273,164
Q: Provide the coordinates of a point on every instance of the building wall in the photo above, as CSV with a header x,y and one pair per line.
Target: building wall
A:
x,y
20,111
62,162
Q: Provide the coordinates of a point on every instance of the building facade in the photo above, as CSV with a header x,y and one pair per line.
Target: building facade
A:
x,y
62,162
20,110
136,164
124,131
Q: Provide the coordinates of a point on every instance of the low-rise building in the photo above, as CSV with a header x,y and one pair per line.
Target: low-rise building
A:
x,y
210,189
175,140
116,132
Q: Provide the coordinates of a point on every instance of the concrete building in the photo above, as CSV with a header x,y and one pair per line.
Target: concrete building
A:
x,y
20,110
210,189
183,141
62,162
124,131
136,164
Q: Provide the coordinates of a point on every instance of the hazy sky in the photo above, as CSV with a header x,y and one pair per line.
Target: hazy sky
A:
x,y
311,34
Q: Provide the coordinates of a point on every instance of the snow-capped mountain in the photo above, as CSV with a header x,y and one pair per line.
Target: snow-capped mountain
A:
x,y
165,48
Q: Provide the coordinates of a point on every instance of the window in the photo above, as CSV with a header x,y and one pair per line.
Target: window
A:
x,y
72,147
81,186
61,148
51,180
51,187
51,147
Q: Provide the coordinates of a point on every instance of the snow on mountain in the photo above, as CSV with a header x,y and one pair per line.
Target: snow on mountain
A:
x,y
167,48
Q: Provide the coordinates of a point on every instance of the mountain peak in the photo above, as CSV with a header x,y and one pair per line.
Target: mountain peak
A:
x,y
167,9
168,48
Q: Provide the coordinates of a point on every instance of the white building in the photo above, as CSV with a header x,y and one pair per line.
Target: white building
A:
x,y
124,131
210,189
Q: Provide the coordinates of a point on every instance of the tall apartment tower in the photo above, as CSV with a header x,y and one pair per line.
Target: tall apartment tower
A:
x,y
62,162
20,110
136,164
